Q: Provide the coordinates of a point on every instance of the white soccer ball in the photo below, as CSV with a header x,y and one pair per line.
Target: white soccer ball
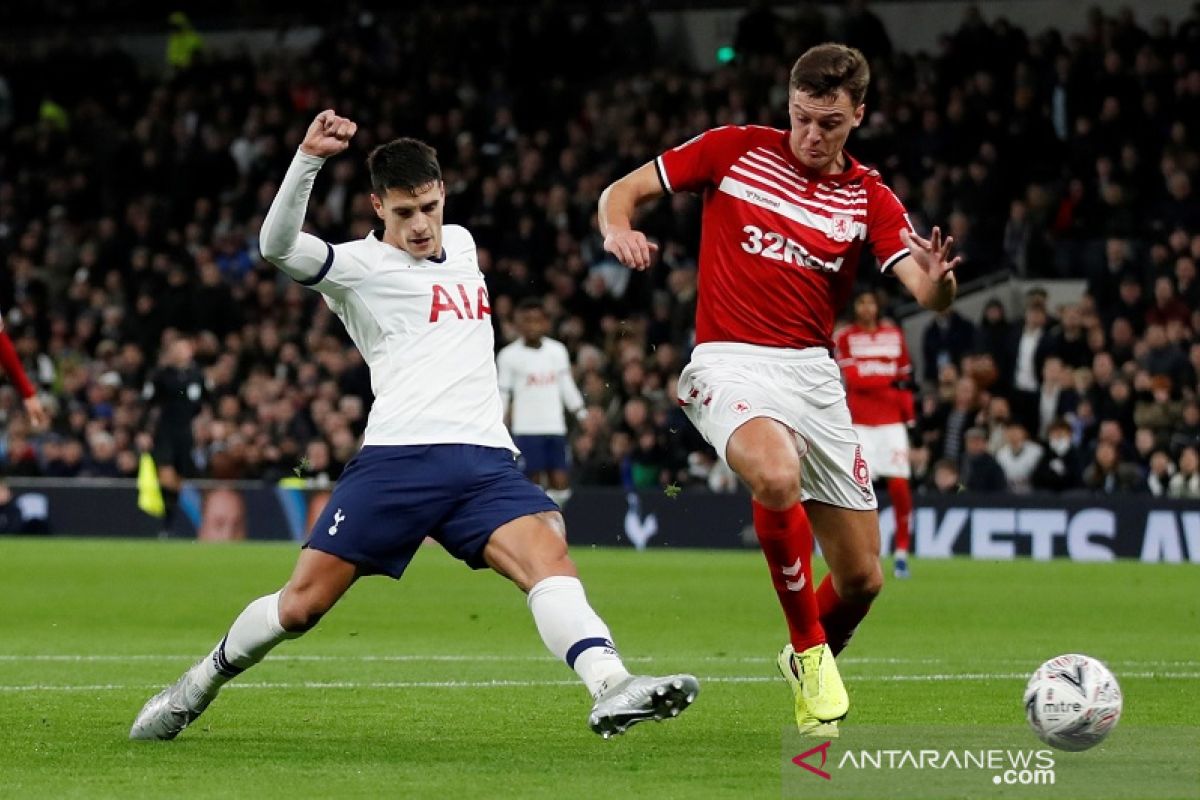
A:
x,y
1072,702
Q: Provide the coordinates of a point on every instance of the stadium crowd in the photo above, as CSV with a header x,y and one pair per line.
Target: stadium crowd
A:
x,y
130,206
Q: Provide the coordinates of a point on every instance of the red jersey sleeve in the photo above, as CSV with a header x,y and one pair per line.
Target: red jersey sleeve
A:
x,y
11,363
886,217
693,165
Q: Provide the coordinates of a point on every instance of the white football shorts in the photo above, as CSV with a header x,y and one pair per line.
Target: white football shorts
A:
x,y
886,449
727,384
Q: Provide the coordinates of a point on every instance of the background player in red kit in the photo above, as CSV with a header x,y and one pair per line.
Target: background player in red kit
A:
x,y
877,370
786,214
11,362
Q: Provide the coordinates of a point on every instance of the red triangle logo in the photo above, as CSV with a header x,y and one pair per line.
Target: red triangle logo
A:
x,y
823,749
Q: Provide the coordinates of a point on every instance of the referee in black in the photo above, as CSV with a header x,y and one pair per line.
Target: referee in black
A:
x,y
176,392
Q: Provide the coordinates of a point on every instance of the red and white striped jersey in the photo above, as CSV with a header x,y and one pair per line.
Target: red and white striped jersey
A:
x,y
780,244
872,363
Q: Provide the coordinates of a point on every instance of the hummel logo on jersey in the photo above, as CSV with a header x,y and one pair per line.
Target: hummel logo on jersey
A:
x,y
338,518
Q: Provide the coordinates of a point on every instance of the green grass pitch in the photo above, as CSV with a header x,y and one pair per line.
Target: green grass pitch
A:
x,y
438,685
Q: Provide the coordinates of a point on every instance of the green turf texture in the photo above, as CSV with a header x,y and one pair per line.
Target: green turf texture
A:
x,y
162,605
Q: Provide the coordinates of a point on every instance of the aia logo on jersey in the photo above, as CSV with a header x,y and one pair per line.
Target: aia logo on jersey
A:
x,y
444,302
740,406
862,474
541,379
842,228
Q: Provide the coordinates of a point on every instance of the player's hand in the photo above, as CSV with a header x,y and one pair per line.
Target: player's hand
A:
x,y
328,135
38,418
631,248
932,254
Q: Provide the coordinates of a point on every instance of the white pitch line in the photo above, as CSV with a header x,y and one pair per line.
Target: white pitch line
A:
x,y
970,676
98,658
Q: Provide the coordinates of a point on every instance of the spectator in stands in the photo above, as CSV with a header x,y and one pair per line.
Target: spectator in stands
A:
x,y
945,478
1057,396
1159,473
995,336
1060,467
1025,367
1187,433
1130,305
1019,457
1068,340
980,471
1108,474
959,417
1185,483
1167,306
1155,408
947,339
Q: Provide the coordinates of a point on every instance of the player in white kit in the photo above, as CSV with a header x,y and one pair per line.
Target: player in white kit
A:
x,y
436,459
536,385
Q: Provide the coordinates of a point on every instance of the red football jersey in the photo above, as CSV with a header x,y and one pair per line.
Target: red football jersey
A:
x,y
780,244
872,362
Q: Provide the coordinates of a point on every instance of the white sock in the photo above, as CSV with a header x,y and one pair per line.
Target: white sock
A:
x,y
573,632
559,496
252,635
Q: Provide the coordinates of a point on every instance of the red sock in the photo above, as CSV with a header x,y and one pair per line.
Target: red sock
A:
x,y
786,541
839,617
901,495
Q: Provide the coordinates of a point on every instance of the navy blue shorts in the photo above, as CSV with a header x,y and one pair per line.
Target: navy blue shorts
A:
x,y
391,497
542,453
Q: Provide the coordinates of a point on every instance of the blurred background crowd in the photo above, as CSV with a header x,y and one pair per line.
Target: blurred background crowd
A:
x,y
130,206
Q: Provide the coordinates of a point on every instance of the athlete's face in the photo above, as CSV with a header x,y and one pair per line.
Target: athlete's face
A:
x,y
866,309
820,126
532,324
413,221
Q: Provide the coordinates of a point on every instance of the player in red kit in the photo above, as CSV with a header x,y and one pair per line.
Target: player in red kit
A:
x,y
11,362
786,215
877,371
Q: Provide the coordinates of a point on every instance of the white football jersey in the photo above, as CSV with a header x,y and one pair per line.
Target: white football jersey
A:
x,y
538,381
424,328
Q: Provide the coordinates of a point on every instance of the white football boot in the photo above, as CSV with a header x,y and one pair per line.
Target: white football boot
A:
x,y
638,698
170,711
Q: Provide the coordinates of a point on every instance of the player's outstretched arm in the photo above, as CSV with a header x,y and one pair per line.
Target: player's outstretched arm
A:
x,y
301,255
615,214
928,271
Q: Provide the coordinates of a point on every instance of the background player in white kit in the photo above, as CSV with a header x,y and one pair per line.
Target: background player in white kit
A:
x,y
536,385
436,459
877,372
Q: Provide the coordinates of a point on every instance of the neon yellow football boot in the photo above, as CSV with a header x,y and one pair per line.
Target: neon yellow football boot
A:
x,y
821,699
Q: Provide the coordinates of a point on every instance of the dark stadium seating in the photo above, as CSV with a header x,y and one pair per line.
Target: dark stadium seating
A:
x,y
130,206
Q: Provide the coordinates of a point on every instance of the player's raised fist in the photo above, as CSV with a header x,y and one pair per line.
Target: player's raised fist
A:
x,y
631,248
328,135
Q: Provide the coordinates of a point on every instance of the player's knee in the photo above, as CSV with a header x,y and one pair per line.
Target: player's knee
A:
x,y
861,585
776,484
301,609
548,559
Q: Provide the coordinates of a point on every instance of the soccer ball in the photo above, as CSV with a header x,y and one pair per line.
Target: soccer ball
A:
x,y
1072,702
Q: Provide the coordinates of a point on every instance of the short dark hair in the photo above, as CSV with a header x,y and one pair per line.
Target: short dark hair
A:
x,y
826,69
532,303
403,164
